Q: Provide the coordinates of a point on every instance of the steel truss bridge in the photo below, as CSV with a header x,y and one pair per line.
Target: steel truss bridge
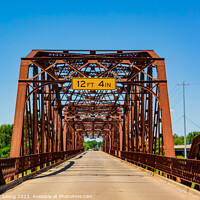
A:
x,y
51,119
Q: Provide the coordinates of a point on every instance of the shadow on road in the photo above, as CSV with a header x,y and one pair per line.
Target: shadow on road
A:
x,y
81,156
78,157
57,172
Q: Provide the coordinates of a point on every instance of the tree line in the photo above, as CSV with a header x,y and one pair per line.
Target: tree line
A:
x,y
92,144
179,140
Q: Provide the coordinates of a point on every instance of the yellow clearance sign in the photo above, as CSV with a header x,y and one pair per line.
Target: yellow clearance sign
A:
x,y
93,83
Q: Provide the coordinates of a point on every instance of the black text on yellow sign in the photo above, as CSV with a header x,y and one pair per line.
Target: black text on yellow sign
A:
x,y
93,83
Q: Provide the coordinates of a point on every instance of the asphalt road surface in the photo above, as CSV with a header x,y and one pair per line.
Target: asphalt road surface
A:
x,y
95,175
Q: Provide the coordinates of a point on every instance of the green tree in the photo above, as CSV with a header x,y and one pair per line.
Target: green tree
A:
x,y
86,145
178,140
192,135
100,144
92,144
5,140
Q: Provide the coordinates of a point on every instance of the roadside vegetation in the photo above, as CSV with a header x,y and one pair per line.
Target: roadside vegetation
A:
x,y
5,140
179,140
92,145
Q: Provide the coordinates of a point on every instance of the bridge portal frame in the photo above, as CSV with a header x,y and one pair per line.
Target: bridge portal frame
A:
x,y
143,119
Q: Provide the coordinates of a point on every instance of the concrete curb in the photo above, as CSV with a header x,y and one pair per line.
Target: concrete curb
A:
x,y
12,184
180,187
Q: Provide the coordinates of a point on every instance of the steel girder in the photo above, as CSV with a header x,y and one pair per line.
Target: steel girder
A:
x,y
51,117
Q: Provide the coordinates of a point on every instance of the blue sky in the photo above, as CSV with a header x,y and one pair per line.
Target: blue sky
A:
x,y
171,28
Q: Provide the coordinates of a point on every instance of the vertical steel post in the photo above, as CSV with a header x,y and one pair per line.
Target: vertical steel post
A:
x,y
165,110
19,111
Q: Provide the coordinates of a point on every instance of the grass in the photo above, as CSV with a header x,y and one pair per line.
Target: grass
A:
x,y
182,157
193,185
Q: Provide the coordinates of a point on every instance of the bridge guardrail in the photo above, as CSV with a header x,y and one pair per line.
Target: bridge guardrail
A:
x,y
11,168
185,169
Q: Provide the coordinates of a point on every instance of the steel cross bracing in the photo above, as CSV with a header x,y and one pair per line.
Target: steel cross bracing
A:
x,y
51,117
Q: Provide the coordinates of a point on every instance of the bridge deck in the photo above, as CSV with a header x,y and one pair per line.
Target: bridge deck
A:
x,y
101,177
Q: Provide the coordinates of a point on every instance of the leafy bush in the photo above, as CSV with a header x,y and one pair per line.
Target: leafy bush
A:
x,y
92,144
5,140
